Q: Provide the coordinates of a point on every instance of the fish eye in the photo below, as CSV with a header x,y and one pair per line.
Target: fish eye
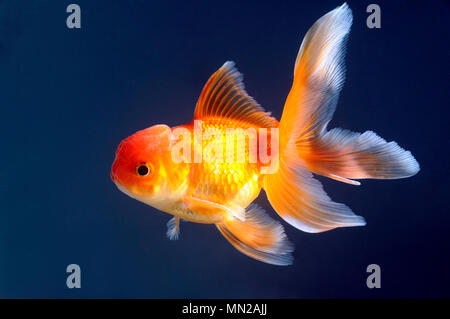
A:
x,y
143,169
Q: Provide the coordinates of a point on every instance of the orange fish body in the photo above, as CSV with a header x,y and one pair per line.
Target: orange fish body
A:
x,y
229,184
212,169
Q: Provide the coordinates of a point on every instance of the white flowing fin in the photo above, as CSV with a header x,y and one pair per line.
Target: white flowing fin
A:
x,y
344,155
301,201
173,228
319,74
318,78
259,237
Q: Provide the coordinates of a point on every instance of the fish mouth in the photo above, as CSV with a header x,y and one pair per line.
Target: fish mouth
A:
x,y
116,180
122,188
113,173
129,192
114,177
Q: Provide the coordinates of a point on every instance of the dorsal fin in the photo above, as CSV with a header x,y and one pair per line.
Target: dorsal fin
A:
x,y
224,96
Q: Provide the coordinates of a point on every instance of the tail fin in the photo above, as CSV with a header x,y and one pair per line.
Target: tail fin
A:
x,y
306,145
300,199
344,155
318,78
259,237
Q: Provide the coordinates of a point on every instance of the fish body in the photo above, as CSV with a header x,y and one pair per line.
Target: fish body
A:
x,y
229,184
212,169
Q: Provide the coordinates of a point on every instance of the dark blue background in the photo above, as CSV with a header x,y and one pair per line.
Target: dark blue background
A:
x,y
69,96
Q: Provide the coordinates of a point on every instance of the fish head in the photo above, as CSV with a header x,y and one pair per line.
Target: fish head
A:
x,y
143,168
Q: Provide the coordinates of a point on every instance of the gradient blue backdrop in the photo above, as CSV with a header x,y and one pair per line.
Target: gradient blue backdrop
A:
x,y
68,97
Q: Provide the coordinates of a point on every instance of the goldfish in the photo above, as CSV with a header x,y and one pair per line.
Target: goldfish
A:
x,y
179,171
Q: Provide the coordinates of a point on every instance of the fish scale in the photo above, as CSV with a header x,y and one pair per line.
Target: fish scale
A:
x,y
223,182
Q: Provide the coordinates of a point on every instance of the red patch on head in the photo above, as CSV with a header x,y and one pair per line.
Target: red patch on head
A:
x,y
142,147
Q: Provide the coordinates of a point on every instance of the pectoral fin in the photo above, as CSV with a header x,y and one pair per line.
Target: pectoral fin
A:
x,y
205,206
173,228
